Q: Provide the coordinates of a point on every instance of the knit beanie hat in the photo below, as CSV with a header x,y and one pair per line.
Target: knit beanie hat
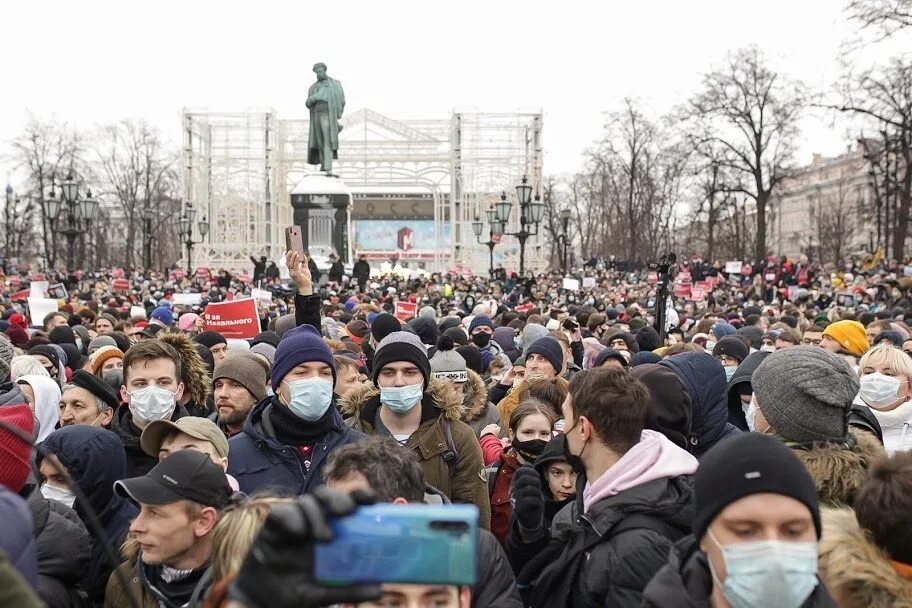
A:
x,y
96,386
246,369
427,311
447,364
100,341
721,329
449,322
384,325
550,349
267,337
6,356
731,346
108,317
457,335
62,335
609,353
358,330
805,393
648,339
15,455
300,345
746,464
643,358
266,350
186,321
103,354
426,329
850,335
210,339
531,333
401,346
163,315
480,321
472,356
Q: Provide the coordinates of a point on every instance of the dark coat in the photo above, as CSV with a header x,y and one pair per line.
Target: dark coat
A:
x,y
704,380
741,377
63,547
614,571
361,271
96,459
16,540
685,581
336,271
138,462
259,461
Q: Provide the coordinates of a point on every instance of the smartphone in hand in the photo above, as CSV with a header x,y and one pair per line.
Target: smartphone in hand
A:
x,y
294,240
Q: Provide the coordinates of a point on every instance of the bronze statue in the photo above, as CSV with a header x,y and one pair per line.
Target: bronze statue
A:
x,y
326,100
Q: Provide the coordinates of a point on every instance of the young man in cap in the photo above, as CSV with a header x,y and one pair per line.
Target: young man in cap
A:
x,y
481,332
104,324
286,437
239,381
163,438
544,361
87,399
422,414
755,533
179,502
151,389
215,342
730,351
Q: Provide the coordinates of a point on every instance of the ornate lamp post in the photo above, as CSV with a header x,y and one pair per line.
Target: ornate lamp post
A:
x,y
185,224
495,232
530,216
71,214
562,239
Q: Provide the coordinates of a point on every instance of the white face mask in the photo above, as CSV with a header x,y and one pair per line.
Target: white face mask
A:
x,y
63,495
151,403
878,390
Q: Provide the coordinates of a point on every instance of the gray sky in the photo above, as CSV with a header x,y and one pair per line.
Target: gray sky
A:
x,y
96,61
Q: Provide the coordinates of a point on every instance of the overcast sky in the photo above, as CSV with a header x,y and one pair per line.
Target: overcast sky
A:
x,y
90,62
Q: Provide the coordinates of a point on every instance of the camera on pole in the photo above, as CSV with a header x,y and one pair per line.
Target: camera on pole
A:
x,y
666,270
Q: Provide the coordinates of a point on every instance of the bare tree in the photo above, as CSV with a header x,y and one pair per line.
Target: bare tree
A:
x,y
882,17
752,113
884,96
835,225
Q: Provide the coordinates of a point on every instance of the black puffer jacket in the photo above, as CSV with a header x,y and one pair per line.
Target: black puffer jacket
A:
x,y
590,565
63,548
685,582
138,462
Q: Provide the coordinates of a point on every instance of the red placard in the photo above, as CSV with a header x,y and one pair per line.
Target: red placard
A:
x,y
20,295
682,290
117,273
697,295
405,310
524,307
120,284
703,286
234,319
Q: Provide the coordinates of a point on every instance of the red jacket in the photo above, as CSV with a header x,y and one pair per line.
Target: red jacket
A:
x,y
501,509
491,449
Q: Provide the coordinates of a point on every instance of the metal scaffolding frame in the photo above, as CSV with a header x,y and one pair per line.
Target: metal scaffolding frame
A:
x,y
239,169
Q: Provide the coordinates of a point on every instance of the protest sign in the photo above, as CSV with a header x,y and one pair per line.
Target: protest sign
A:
x,y
20,295
733,267
405,310
58,291
120,284
38,289
262,295
588,282
682,290
234,319
39,308
188,299
524,307
696,295
571,284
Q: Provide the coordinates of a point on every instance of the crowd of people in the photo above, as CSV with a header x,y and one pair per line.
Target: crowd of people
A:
x,y
753,451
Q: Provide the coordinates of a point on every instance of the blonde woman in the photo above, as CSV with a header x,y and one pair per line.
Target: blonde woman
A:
x,y
885,373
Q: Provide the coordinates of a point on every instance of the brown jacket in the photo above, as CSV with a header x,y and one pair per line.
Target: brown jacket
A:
x,y
837,471
116,595
441,406
477,411
856,572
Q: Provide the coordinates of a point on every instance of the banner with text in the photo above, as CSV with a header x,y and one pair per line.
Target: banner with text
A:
x,y
234,319
406,310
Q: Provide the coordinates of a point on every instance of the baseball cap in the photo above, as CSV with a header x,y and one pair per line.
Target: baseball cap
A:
x,y
195,426
185,475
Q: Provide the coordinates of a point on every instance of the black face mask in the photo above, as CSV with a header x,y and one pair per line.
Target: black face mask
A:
x,y
114,378
481,339
574,460
530,450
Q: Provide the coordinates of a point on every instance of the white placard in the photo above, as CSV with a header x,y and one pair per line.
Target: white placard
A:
x,y
38,289
39,308
733,267
263,296
588,282
137,311
571,284
188,299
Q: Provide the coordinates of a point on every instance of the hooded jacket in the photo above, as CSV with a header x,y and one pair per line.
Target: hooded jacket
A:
x,y
857,572
685,581
742,376
259,461
194,375
838,469
477,411
704,380
11,394
504,337
16,540
441,408
63,549
95,459
138,462
47,403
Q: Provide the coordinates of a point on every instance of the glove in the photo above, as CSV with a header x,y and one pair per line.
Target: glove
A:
x,y
527,498
278,572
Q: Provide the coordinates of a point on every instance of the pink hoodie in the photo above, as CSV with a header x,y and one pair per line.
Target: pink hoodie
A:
x,y
654,457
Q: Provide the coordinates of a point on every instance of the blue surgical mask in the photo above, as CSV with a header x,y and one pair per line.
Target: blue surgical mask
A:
x,y
767,573
729,372
310,397
401,399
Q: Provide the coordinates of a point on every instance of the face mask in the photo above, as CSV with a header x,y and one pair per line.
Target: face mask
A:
x,y
79,344
113,378
310,397
710,346
529,450
59,494
767,573
401,399
150,404
729,372
517,342
574,460
768,348
878,390
481,339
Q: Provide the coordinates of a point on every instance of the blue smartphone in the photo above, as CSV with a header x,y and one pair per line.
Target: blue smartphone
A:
x,y
385,543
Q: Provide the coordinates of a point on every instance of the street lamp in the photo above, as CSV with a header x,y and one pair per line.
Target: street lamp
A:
x,y
185,224
70,214
530,216
562,238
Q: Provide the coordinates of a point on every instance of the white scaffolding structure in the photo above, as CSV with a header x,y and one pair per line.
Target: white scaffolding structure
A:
x,y
239,169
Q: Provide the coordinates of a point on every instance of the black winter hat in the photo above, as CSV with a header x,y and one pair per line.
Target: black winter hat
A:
x,y
648,339
269,337
669,406
401,346
62,335
426,328
95,385
210,339
457,335
610,353
472,357
746,464
550,349
384,325
731,346
753,334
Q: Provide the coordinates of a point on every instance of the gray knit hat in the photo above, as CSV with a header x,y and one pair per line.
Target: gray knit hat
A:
x,y
427,311
99,342
6,356
447,364
246,369
401,346
806,393
531,333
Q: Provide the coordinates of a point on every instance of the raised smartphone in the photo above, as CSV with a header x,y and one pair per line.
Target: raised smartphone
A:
x,y
294,240
420,544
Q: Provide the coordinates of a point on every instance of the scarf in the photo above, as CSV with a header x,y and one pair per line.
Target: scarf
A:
x,y
292,430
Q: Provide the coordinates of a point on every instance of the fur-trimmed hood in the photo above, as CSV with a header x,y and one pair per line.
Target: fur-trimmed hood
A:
x,y
475,398
194,374
857,573
837,471
439,394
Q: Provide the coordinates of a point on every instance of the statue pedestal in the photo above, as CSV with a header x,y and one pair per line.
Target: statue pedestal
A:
x,y
322,208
